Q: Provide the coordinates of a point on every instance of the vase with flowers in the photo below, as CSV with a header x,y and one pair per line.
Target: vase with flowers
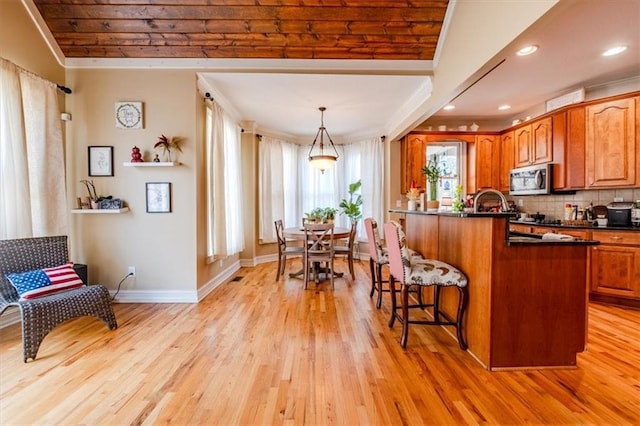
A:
x,y
433,172
167,144
413,195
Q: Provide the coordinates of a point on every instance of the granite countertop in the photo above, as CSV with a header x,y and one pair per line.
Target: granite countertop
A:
x,y
452,214
522,238
587,227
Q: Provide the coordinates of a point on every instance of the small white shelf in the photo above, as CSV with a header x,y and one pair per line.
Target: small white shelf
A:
x,y
100,211
152,164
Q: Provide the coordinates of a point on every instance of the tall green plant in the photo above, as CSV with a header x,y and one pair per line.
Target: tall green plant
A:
x,y
433,172
352,206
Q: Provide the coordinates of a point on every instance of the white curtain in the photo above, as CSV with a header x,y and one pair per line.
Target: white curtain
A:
x,y
278,186
290,187
372,173
32,170
225,234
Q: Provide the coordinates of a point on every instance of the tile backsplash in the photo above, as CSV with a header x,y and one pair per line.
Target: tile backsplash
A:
x,y
553,205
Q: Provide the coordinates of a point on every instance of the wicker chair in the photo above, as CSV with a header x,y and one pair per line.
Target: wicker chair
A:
x,y
41,315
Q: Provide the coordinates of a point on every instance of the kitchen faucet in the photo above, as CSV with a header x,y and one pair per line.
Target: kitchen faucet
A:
x,y
503,199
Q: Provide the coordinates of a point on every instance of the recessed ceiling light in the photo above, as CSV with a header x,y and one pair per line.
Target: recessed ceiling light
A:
x,y
504,107
527,50
449,107
614,50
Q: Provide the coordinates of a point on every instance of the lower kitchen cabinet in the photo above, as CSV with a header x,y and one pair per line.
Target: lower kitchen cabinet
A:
x,y
615,266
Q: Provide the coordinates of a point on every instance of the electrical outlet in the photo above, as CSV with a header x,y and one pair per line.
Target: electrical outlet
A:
x,y
520,202
132,271
618,199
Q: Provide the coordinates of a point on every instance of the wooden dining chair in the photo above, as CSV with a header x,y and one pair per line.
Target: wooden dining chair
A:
x,y
285,251
318,250
346,250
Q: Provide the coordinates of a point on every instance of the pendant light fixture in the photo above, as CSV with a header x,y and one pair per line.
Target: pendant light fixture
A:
x,y
319,158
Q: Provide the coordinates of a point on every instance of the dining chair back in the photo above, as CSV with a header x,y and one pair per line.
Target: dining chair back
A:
x,y
377,258
285,250
422,273
347,251
318,249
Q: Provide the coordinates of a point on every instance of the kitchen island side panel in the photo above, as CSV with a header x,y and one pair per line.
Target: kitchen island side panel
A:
x,y
527,301
539,306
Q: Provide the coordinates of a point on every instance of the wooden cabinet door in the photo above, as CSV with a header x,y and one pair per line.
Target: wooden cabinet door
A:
x,y
611,144
615,270
506,161
487,162
569,149
541,141
522,143
413,159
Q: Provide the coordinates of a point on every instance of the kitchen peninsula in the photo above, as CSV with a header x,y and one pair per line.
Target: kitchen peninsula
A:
x,y
527,296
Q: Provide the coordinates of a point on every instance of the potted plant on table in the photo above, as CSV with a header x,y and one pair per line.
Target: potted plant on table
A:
x,y
316,215
329,214
433,172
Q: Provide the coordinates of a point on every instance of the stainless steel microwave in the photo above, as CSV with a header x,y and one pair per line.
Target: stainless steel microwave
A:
x,y
530,180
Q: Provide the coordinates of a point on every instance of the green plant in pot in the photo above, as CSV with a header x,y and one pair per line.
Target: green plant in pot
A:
x,y
352,206
433,172
316,215
329,214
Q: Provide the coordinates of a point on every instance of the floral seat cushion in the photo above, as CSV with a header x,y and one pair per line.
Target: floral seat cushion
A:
x,y
434,272
427,272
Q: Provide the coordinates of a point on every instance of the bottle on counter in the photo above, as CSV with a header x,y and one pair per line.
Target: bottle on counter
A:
x,y
568,211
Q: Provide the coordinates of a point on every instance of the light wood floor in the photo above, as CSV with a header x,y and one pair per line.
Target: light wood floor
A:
x,y
260,352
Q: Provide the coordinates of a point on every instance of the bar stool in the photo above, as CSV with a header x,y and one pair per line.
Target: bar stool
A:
x,y
378,258
426,272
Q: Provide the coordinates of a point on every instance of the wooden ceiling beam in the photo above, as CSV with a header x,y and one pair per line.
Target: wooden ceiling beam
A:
x,y
106,12
237,52
59,26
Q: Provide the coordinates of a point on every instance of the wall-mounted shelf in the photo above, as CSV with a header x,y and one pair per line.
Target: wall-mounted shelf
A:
x,y
100,211
152,164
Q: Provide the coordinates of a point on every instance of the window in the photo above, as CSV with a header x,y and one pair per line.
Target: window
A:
x,y
289,186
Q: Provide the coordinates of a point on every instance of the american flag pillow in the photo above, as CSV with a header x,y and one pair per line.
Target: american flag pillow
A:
x,y
43,282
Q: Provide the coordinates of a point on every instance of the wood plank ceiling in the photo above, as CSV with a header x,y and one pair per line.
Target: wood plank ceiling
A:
x,y
299,29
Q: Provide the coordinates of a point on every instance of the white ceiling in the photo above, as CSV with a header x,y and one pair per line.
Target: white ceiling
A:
x,y
359,98
287,103
571,39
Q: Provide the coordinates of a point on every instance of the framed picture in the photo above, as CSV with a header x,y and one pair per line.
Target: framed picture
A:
x,y
100,161
129,115
158,197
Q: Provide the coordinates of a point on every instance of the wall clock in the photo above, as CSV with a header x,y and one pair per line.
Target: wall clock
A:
x,y
129,115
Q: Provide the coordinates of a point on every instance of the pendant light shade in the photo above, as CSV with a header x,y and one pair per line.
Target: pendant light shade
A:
x,y
317,156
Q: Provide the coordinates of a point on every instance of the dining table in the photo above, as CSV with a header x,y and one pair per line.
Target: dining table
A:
x,y
297,233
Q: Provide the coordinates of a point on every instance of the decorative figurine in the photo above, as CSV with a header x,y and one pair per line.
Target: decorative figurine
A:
x,y
156,159
136,157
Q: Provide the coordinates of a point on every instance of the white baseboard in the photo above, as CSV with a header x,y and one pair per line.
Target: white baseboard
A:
x,y
155,296
218,280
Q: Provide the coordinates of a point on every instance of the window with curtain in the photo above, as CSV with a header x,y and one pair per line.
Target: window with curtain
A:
x,y
225,235
289,186
33,200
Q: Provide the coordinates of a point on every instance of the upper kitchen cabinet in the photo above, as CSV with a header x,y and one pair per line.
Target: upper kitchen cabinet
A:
x,y
533,143
506,160
611,159
413,157
487,162
569,149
